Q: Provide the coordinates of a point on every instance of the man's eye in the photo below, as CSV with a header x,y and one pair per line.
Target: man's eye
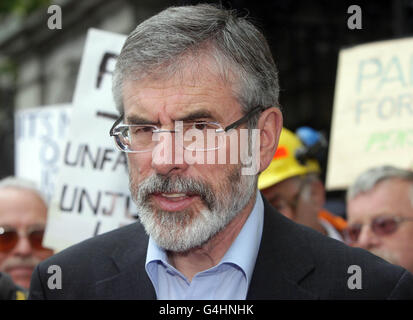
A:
x,y
144,129
200,125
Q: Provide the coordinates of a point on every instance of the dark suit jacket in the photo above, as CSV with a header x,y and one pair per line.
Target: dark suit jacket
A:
x,y
294,262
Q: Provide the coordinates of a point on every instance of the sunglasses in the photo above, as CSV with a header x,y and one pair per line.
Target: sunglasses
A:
x,y
9,237
381,226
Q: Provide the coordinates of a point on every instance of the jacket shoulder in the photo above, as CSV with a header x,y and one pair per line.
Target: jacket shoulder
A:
x,y
296,256
83,265
98,247
354,273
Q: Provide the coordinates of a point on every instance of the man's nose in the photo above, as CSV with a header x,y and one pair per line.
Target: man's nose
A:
x,y
168,154
367,239
23,247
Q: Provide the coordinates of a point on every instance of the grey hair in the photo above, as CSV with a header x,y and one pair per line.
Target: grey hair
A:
x,y
368,179
21,183
161,45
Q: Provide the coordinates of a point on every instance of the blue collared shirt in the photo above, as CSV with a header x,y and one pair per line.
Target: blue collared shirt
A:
x,y
228,280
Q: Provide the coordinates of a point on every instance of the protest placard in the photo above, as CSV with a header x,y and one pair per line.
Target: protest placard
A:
x,y
92,194
372,120
40,135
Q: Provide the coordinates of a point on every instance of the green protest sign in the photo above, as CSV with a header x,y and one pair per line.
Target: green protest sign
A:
x,y
373,110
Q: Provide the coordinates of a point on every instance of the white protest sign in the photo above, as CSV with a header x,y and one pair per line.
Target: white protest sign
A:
x,y
372,121
40,135
92,194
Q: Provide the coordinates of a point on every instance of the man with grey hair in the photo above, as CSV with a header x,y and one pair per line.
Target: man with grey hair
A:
x,y
23,215
205,232
380,214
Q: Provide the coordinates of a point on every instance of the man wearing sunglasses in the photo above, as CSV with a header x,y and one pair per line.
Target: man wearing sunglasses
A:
x,y
23,214
380,214
205,231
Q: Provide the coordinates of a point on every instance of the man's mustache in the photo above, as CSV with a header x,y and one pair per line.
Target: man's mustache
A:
x,y
27,262
176,184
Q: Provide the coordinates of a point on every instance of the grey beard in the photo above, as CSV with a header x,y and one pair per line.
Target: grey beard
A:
x,y
181,231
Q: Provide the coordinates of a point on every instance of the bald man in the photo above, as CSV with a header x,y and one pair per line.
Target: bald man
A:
x,y
23,214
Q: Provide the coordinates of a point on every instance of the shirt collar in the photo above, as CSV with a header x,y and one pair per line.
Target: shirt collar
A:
x,y
155,253
243,251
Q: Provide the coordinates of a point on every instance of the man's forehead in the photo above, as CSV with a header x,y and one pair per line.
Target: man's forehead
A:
x,y
23,218
179,103
14,197
361,207
188,114
364,208
198,86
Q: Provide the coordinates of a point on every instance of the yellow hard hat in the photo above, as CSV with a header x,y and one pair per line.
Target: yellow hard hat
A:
x,y
285,165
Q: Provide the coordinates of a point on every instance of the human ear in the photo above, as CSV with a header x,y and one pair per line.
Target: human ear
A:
x,y
270,124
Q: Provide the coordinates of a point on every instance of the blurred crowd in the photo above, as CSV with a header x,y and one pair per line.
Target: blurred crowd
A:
x,y
379,203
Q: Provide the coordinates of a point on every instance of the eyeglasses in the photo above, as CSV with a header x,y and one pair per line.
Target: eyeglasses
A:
x,y
136,138
381,226
9,237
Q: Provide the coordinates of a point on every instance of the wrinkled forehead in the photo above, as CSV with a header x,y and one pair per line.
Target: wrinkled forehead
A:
x,y
204,63
195,89
386,199
21,206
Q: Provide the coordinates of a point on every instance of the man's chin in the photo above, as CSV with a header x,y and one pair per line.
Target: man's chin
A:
x,y
21,275
178,231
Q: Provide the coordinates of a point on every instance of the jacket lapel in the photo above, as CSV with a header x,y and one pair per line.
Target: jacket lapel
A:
x,y
283,260
131,280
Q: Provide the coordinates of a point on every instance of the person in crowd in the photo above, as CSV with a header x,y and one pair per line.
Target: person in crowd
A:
x,y
292,184
204,230
23,215
380,214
